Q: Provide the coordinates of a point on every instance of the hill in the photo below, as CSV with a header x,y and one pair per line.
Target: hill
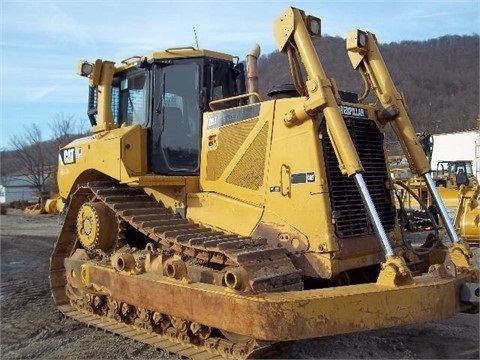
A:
x,y
439,77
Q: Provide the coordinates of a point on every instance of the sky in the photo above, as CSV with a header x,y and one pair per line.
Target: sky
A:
x,y
42,40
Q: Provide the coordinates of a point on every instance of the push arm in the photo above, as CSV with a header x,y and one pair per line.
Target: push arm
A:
x,y
365,56
293,32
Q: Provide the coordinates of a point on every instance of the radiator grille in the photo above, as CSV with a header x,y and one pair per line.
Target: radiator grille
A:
x,y
351,217
230,138
248,173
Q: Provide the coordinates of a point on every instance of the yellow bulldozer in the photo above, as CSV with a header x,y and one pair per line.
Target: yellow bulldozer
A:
x,y
207,221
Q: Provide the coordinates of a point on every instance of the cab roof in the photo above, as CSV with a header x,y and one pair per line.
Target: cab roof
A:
x,y
173,53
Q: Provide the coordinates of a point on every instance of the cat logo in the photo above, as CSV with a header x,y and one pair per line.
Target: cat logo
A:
x,y
67,156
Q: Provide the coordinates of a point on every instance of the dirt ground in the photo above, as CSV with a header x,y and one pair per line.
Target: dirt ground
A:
x,y
31,327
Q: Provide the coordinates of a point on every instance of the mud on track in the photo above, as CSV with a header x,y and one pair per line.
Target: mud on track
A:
x,y
32,328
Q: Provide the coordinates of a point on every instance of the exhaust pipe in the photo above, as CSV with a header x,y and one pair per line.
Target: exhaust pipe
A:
x,y
252,73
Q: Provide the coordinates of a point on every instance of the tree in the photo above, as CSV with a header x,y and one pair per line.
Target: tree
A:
x,y
35,160
65,128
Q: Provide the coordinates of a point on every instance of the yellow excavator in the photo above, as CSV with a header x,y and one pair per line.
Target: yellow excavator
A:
x,y
206,221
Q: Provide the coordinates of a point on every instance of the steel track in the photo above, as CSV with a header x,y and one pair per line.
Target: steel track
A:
x,y
171,232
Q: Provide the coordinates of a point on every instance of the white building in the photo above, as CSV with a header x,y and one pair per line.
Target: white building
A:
x,y
462,145
17,189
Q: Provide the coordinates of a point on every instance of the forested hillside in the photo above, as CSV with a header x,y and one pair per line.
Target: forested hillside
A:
x,y
439,77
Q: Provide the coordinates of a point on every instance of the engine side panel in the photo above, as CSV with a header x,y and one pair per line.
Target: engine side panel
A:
x,y
119,154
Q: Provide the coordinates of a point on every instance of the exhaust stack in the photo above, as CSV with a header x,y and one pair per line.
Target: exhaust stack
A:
x,y
252,73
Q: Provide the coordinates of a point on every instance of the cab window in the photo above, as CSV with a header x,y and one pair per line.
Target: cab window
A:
x,y
133,99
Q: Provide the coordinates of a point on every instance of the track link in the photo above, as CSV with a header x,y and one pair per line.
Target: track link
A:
x,y
156,340
268,268
214,348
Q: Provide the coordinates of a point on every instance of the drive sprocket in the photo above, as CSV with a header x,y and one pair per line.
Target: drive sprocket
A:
x,y
97,226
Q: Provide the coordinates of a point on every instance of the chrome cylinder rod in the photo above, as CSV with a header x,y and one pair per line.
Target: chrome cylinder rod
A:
x,y
441,208
377,224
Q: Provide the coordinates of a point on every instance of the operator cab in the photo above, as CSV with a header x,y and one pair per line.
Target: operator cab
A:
x,y
167,93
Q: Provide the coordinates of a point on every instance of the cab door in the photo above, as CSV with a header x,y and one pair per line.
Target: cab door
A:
x,y
174,134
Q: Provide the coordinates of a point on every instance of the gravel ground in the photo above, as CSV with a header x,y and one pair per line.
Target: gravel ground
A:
x,y
32,328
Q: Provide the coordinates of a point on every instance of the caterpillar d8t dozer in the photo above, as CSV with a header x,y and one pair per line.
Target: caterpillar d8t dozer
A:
x,y
205,221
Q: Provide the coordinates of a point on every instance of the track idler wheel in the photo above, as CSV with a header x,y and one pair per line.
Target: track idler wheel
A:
x,y
97,226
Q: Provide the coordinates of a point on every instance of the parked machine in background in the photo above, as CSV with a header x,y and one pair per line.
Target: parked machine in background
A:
x,y
467,216
209,222
453,173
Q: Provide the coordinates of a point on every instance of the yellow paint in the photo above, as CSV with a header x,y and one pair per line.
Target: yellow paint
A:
x,y
223,213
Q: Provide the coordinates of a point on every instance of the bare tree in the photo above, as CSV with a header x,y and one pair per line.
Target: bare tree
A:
x,y
35,160
65,128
